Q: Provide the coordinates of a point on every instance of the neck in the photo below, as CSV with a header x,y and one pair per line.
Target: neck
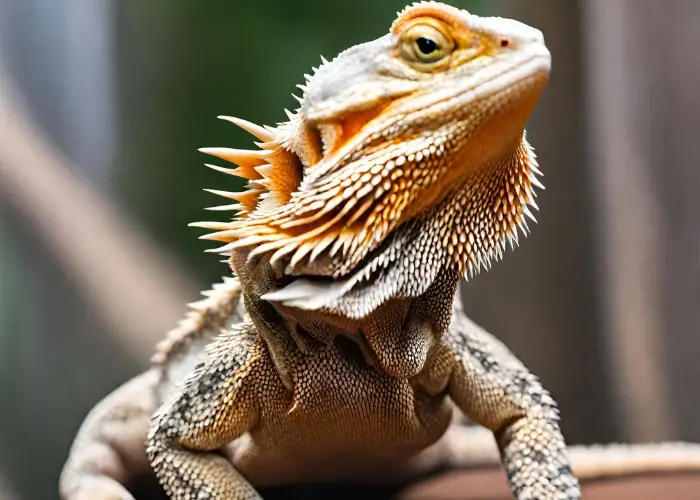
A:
x,y
396,336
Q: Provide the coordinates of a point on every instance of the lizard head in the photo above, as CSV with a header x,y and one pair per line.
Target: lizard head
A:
x,y
406,158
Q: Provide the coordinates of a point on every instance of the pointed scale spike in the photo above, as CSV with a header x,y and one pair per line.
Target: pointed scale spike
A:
x,y
261,133
210,225
200,305
245,242
527,212
321,246
228,171
265,183
265,170
247,198
267,146
236,207
256,185
237,156
347,238
354,244
531,198
324,60
226,194
325,209
223,249
522,226
360,211
299,255
274,245
245,159
336,246
536,182
256,241
222,236
255,230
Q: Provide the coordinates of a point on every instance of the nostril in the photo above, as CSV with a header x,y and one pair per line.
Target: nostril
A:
x,y
537,37
503,41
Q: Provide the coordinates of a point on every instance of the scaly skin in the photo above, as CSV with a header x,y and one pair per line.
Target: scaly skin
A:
x,y
404,169
109,451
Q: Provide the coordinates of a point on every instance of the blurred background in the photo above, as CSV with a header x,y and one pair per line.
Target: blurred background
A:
x,y
104,103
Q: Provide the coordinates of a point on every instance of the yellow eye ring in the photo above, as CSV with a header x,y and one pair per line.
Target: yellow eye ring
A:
x,y
425,47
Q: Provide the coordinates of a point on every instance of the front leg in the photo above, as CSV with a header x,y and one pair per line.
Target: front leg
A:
x,y
216,405
494,388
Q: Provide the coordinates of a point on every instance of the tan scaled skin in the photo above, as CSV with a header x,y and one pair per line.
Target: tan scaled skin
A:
x,y
400,173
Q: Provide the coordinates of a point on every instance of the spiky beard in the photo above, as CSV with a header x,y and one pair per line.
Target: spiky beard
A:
x,y
309,236
461,235
475,226
328,228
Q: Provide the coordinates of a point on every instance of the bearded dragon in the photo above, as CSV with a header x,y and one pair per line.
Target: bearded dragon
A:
x,y
340,351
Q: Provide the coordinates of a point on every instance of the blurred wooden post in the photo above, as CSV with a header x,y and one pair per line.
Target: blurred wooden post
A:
x,y
644,100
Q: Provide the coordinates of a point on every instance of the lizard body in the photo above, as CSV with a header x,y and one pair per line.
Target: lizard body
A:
x,y
109,450
340,351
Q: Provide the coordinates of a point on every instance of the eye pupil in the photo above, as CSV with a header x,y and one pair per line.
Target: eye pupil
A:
x,y
426,45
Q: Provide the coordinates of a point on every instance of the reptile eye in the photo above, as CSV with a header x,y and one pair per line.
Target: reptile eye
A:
x,y
425,47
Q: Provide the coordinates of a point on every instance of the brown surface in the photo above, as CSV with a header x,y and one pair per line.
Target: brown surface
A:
x,y
484,485
491,485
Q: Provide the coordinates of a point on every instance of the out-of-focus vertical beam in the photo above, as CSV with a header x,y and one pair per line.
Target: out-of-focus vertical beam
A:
x,y
642,74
